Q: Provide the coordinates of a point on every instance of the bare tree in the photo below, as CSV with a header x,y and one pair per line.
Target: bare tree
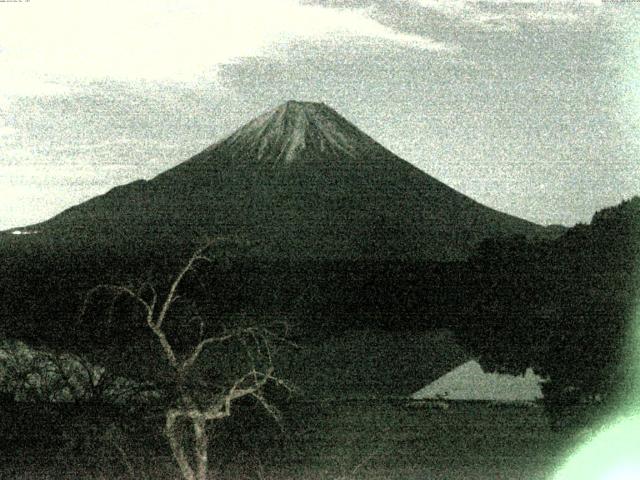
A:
x,y
190,403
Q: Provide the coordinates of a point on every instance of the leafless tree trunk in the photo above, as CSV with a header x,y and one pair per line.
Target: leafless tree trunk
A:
x,y
202,443
218,407
177,445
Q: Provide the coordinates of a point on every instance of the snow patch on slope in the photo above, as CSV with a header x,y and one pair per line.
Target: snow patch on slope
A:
x,y
291,130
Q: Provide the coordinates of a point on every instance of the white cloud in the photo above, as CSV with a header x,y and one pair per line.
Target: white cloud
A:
x,y
451,6
507,13
456,5
45,46
6,131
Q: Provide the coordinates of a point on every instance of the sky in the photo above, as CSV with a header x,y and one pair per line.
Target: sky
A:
x,y
531,107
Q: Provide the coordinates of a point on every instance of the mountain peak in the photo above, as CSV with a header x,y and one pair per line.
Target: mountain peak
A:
x,y
303,104
297,131
297,107
304,183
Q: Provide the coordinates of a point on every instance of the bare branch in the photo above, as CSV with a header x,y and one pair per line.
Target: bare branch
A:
x,y
116,291
166,346
272,334
171,296
261,338
270,408
191,359
154,294
240,389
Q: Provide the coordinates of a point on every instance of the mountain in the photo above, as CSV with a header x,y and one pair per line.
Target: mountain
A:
x,y
298,182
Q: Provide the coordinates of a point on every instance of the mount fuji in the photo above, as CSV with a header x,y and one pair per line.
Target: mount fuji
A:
x,y
298,182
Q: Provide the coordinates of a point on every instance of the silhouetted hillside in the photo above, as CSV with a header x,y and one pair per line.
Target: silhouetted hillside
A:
x,y
565,306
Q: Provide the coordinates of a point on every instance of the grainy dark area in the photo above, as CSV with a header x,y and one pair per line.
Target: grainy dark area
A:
x,y
332,439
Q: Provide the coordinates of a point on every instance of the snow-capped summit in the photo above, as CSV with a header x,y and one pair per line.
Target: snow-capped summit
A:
x,y
297,131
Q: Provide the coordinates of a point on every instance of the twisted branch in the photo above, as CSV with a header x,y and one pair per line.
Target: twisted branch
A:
x,y
250,384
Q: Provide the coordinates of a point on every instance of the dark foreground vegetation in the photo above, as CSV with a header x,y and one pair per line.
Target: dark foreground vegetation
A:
x,y
563,307
326,440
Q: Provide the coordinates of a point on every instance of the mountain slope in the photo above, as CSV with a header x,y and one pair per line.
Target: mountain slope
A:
x,y
298,182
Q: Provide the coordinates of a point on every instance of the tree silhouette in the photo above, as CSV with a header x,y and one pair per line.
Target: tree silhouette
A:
x,y
194,401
